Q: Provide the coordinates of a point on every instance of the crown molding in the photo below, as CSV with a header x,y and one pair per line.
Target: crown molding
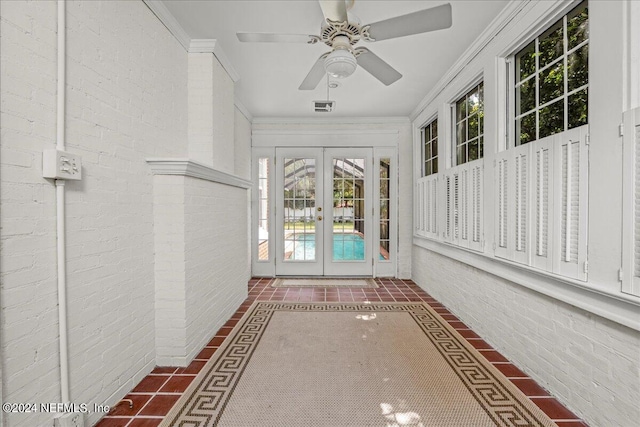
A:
x,y
245,112
212,46
162,13
507,14
203,45
332,120
186,167
191,45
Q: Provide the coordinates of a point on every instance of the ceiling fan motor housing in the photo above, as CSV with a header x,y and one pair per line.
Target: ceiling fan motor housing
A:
x,y
351,29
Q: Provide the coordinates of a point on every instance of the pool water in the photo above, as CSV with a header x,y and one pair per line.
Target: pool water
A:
x,y
346,247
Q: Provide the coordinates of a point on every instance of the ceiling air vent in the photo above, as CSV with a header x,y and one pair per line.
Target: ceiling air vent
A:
x,y
324,106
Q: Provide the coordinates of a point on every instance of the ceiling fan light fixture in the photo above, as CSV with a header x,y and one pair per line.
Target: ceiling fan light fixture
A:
x,y
340,63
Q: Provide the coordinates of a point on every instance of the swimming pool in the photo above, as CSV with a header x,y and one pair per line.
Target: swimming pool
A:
x,y
346,247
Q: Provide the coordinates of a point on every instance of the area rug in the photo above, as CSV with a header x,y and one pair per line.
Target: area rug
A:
x,y
323,283
350,364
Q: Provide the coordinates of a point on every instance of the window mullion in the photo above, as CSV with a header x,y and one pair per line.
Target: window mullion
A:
x,y
537,76
565,73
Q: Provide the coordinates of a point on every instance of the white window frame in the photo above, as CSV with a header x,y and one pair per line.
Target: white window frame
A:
x,y
423,143
451,121
512,139
426,190
518,185
262,267
386,268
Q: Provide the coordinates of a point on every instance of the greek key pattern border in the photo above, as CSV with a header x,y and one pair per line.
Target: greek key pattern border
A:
x,y
212,389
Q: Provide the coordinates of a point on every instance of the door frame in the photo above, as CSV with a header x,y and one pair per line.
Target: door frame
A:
x,y
384,143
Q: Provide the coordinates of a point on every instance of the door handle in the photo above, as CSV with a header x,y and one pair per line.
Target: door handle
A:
x,y
319,209
320,218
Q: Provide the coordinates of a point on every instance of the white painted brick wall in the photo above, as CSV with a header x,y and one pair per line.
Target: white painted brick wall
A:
x,y
217,264
588,362
200,89
405,201
126,100
242,136
223,119
202,263
211,113
169,268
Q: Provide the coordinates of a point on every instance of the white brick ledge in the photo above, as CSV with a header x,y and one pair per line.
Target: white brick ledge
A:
x,y
193,169
619,308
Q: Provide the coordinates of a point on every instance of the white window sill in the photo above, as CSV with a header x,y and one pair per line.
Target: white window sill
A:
x,y
617,307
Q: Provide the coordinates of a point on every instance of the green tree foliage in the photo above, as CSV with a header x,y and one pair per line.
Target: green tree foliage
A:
x,y
541,66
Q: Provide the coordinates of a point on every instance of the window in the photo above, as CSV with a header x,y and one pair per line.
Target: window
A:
x,y
469,128
385,199
551,79
430,148
541,199
263,209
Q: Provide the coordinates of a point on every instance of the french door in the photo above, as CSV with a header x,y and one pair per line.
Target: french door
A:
x,y
324,212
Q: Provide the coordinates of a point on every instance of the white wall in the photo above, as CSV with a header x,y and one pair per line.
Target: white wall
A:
x,y
242,154
126,101
217,264
27,251
589,362
211,112
170,270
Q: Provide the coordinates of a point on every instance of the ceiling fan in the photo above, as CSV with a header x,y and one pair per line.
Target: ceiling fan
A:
x,y
341,30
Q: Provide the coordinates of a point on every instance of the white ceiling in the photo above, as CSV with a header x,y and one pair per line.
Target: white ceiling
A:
x,y
270,73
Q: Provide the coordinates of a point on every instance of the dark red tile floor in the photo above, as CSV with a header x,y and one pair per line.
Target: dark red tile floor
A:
x,y
154,396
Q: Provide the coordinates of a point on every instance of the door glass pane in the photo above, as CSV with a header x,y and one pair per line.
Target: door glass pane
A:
x,y
299,209
348,209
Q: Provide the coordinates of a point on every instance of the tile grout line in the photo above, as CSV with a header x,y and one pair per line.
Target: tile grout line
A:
x,y
387,291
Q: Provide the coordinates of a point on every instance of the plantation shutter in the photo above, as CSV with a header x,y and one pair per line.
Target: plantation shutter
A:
x,y
475,208
426,213
502,200
462,202
543,201
513,204
434,206
456,207
464,205
423,205
416,208
570,252
520,210
631,203
448,209
636,216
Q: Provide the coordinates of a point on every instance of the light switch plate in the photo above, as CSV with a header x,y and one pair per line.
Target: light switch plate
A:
x,y
58,164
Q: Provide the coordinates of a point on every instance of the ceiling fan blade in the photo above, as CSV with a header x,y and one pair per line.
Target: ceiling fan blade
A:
x,y
377,67
315,75
334,10
277,38
436,18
